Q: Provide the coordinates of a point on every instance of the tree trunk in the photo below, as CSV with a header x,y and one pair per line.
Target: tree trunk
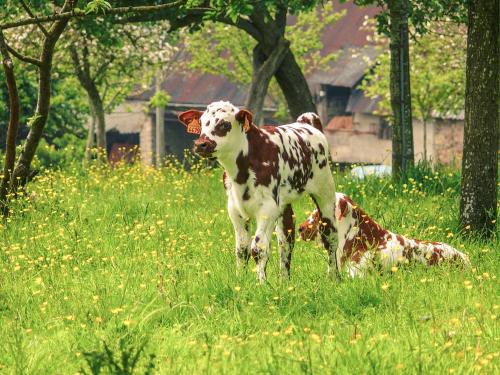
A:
x,y
22,169
81,66
478,203
98,110
10,149
269,34
294,86
263,71
90,139
160,125
402,139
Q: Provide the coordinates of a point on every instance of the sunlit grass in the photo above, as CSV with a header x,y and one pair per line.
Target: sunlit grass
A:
x,y
125,257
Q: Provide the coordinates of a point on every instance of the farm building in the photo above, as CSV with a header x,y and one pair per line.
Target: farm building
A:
x,y
355,132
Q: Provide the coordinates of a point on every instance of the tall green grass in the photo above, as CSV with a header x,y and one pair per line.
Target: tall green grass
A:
x,y
131,270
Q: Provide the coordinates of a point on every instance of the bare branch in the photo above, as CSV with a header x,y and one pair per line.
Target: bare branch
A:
x,y
78,13
245,25
20,56
32,15
102,68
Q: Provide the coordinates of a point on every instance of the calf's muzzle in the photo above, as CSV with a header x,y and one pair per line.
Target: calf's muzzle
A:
x,y
204,147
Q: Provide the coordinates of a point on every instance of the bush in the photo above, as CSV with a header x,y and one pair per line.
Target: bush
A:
x,y
64,152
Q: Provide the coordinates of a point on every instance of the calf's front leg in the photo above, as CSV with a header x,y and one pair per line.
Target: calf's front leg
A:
x,y
242,237
261,245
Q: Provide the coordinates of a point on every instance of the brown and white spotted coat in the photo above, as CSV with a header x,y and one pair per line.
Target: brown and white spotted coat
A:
x,y
266,169
364,243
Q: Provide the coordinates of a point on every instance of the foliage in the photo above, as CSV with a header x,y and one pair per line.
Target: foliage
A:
x,y
422,13
159,99
63,152
243,8
69,108
437,69
120,58
96,6
234,60
143,254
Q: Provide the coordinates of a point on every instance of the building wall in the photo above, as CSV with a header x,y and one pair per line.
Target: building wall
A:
x,y
361,144
418,140
147,140
365,143
449,141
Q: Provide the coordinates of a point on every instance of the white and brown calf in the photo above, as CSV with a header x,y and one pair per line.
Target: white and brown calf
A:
x,y
363,243
266,169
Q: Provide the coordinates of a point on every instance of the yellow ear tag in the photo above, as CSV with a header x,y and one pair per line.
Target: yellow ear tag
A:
x,y
246,125
194,127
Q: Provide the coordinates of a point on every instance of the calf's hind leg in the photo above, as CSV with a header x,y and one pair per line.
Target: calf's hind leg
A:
x,y
285,231
329,237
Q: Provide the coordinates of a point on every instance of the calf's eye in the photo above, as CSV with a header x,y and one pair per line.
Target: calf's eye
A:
x,y
226,125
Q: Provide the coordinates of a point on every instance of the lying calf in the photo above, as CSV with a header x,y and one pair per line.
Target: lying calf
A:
x,y
266,169
364,243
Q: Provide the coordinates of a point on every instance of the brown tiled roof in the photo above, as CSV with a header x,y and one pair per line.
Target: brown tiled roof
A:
x,y
359,103
347,32
196,88
348,69
340,123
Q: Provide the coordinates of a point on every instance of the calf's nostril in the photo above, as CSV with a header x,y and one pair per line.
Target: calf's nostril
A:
x,y
202,145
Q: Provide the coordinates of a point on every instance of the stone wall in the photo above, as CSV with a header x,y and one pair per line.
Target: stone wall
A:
x,y
361,144
365,142
449,141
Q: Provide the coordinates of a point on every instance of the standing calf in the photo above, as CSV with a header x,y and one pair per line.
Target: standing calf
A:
x,y
363,242
266,169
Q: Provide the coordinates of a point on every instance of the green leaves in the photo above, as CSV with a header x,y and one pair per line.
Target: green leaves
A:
x,y
160,99
437,63
96,6
31,120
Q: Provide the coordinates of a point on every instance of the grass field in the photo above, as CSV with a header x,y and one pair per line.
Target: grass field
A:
x,y
128,270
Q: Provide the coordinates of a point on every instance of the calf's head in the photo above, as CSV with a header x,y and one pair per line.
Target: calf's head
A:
x,y
221,127
309,229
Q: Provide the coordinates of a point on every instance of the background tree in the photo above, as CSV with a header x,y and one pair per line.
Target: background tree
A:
x,y
235,60
68,107
50,19
111,59
393,21
265,22
437,70
48,38
478,203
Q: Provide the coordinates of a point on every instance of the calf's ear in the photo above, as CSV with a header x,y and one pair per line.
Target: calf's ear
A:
x,y
244,117
191,119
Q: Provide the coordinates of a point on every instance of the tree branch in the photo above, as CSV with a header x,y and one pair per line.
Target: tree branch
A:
x,y
32,15
243,24
102,68
281,18
78,13
20,56
14,111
